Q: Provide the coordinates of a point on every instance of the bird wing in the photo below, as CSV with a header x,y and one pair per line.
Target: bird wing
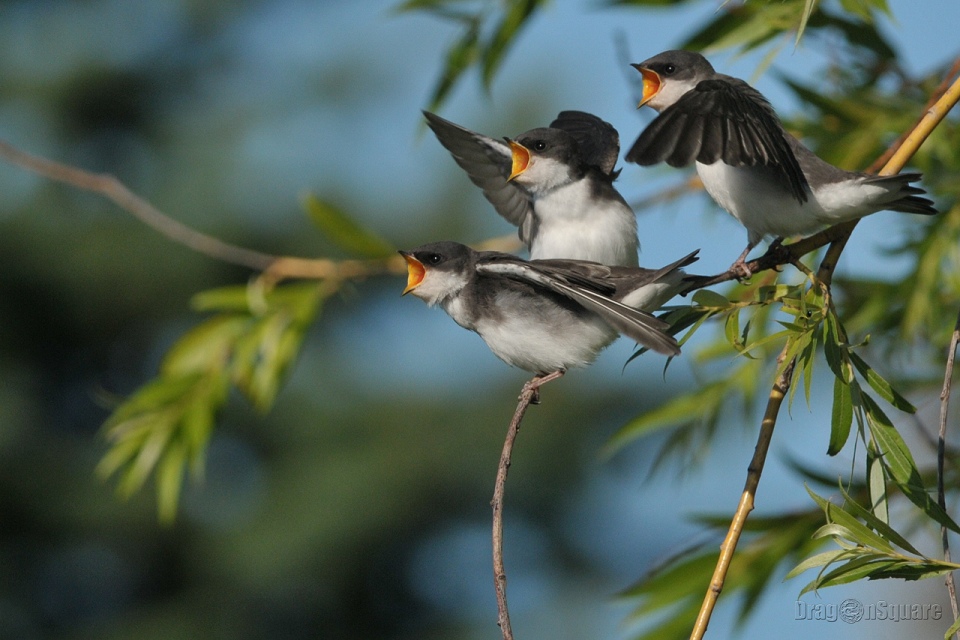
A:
x,y
597,139
630,278
721,119
487,161
637,325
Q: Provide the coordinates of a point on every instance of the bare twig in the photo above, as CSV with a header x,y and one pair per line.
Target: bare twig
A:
x,y
941,449
529,394
274,267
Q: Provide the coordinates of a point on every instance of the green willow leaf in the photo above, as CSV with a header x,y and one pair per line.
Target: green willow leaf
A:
x,y
881,386
711,300
851,571
518,12
879,525
824,559
899,463
808,7
344,231
850,527
464,53
841,418
877,486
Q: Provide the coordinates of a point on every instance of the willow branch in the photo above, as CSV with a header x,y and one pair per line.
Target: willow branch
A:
x,y
747,498
941,450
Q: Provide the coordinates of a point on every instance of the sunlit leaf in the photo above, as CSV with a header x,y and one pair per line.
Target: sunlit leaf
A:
x,y
710,299
808,7
819,560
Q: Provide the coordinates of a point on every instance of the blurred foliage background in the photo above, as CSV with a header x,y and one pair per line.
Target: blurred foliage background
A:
x,y
357,507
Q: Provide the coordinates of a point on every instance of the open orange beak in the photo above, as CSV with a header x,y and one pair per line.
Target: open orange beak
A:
x,y
415,272
651,84
521,159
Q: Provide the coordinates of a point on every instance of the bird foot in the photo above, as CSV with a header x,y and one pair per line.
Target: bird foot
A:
x,y
740,270
533,385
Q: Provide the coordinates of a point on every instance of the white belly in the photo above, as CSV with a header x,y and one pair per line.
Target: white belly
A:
x,y
766,208
573,227
537,350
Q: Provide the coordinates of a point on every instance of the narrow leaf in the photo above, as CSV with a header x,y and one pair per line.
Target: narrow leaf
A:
x,y
842,417
881,386
345,232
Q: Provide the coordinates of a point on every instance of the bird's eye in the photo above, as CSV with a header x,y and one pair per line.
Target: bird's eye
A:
x,y
539,145
669,69
434,258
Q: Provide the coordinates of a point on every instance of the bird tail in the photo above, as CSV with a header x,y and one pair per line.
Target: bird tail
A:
x,y
904,197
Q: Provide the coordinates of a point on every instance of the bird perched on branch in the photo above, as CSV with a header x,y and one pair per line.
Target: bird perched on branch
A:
x,y
544,316
748,163
555,183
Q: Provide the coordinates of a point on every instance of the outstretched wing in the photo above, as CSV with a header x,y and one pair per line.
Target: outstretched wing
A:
x,y
487,161
597,139
721,119
637,325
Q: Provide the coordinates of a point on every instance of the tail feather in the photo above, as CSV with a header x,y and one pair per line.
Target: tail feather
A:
x,y
908,198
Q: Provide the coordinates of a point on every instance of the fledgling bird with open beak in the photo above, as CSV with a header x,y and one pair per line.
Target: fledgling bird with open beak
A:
x,y
748,163
555,183
543,316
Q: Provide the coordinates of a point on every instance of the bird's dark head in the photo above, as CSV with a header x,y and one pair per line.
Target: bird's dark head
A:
x,y
542,157
669,75
437,270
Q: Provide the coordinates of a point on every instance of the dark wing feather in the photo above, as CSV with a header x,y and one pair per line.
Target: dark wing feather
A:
x,y
597,139
580,286
721,119
487,161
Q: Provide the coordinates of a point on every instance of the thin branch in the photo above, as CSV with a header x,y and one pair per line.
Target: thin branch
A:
x,y
941,449
111,188
777,394
529,395
274,267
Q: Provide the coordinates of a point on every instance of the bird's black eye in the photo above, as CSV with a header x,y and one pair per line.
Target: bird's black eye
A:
x,y
539,145
669,69
434,258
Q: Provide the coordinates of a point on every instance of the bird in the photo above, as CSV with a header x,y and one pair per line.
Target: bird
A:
x,y
555,183
542,316
748,163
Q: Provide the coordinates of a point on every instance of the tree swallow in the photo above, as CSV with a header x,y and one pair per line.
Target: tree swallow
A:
x,y
543,316
748,163
555,184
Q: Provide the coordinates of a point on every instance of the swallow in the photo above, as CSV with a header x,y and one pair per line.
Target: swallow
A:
x,y
748,163
555,183
543,316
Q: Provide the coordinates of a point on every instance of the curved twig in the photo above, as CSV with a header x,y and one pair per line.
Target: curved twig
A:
x,y
529,395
